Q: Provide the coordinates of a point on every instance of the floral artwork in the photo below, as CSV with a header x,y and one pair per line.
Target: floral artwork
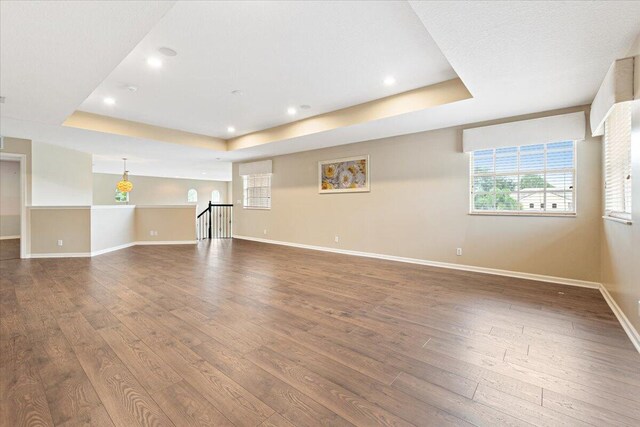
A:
x,y
344,175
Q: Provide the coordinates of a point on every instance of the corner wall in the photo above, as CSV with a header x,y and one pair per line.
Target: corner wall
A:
x,y
621,242
418,208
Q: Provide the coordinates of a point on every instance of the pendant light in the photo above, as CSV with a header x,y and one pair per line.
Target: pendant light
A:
x,y
125,185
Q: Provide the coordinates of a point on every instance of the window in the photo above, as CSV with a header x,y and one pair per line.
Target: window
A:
x,y
257,191
192,196
617,162
517,179
121,197
215,196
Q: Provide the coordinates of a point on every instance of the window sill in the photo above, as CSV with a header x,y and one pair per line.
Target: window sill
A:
x,y
560,215
620,220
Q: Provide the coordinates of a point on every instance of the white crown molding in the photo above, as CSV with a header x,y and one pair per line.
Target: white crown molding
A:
x,y
463,267
10,237
632,333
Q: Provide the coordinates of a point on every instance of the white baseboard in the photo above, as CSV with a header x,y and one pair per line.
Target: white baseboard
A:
x,y
62,255
10,237
463,267
167,242
632,333
111,249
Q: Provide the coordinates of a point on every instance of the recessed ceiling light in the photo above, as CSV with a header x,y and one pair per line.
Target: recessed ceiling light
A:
x,y
204,173
231,129
217,158
389,81
109,101
167,51
236,92
291,111
305,107
154,62
132,88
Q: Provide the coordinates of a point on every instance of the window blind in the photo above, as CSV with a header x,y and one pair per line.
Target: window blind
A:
x,y
529,179
617,162
257,191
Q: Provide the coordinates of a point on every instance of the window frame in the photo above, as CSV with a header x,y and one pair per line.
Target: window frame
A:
x,y
543,213
189,193
246,198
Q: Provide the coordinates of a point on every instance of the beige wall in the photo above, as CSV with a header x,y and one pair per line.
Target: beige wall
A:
x,y
71,225
20,146
9,198
112,226
61,177
621,242
171,223
149,190
418,208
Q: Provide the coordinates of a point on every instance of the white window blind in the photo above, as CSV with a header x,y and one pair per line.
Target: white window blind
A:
x,y
257,191
528,179
617,162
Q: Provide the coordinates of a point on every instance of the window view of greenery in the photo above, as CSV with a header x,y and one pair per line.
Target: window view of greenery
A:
x,y
121,196
530,179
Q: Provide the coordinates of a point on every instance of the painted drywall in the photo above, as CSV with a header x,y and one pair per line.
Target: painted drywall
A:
x,y
71,225
20,146
621,242
112,226
61,177
418,208
176,223
149,190
9,198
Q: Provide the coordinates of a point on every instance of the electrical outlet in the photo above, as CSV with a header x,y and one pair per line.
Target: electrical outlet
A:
x,y
59,242
459,251
150,232
336,239
155,232
264,232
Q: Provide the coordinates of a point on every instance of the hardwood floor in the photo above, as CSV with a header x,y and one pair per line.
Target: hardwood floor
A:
x,y
249,334
9,249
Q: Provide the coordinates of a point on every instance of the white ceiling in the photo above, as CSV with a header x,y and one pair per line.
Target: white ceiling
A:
x,y
328,55
515,57
54,53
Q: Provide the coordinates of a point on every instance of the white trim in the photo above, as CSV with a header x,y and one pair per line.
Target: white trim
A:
x,y
96,207
24,230
62,255
190,205
632,333
463,267
58,207
10,237
620,220
166,242
111,249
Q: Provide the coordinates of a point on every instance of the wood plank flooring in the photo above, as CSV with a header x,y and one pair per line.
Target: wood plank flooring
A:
x,y
9,249
248,334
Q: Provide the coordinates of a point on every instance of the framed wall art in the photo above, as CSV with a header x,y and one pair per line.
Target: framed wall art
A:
x,y
346,175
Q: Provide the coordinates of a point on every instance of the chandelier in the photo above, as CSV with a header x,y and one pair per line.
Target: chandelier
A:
x,y
125,185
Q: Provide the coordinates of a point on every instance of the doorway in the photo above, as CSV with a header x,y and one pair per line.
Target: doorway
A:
x,y
9,209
